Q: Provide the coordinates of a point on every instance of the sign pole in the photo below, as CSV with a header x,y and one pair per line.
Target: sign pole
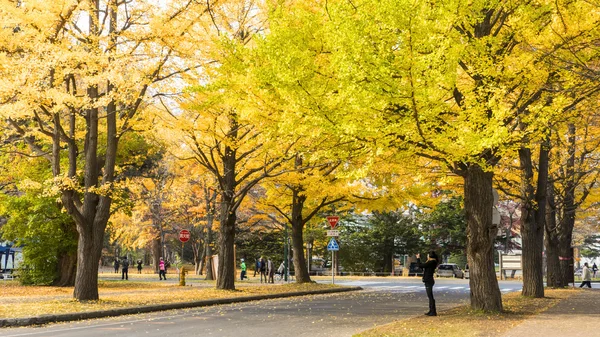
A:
x,y
332,268
333,245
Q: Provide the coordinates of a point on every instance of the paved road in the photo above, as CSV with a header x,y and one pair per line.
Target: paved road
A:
x,y
324,315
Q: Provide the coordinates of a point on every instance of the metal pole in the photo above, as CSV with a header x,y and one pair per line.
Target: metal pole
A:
x,y
332,268
181,268
285,254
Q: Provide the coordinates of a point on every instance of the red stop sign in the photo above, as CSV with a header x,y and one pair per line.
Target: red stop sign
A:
x,y
333,220
184,235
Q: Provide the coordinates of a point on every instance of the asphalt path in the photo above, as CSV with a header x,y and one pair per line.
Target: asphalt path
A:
x,y
344,314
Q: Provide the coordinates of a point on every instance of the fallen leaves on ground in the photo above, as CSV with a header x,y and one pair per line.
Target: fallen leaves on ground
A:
x,y
29,301
464,322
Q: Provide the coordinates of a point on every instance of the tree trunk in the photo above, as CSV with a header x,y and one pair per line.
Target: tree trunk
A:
x,y
567,222
228,217
156,253
300,268
479,201
67,268
551,241
89,250
565,252
226,272
533,213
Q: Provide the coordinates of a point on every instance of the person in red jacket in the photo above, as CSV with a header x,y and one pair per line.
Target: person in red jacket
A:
x,y
428,271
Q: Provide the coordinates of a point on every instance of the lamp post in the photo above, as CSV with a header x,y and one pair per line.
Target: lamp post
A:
x,y
308,256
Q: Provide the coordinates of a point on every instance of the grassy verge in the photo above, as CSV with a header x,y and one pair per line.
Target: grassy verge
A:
x,y
28,301
464,322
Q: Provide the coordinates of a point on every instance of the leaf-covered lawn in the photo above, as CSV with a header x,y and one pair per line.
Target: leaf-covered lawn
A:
x,y
464,322
28,301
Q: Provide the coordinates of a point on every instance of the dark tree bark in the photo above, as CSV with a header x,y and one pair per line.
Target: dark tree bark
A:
x,y
67,268
479,201
300,268
227,215
226,270
567,223
533,215
156,253
67,259
553,278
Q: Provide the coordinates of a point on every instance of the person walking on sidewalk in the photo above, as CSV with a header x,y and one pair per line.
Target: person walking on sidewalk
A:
x,y
162,271
428,270
586,275
594,269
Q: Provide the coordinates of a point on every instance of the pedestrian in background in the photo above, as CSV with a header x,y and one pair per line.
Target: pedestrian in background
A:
x,y
125,270
586,275
243,267
162,271
256,267
428,270
270,271
594,269
262,266
139,265
117,265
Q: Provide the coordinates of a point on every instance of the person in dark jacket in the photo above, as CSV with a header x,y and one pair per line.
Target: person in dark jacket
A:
x,y
428,270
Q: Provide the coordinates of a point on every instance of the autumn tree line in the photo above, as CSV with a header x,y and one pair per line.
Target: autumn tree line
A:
x,y
118,113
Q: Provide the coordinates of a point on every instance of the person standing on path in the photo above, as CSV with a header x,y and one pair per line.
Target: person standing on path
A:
x,y
116,265
256,267
263,268
243,267
139,265
125,270
428,270
586,275
594,269
270,271
162,272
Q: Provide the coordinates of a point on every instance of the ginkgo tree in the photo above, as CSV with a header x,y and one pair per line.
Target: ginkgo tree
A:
x,y
453,83
75,75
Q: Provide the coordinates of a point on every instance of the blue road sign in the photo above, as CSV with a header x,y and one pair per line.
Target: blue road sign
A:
x,y
333,245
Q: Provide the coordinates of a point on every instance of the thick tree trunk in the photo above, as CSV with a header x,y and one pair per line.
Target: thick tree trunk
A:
x,y
567,222
67,268
551,241
565,252
228,217
485,293
226,272
89,250
533,213
67,258
300,268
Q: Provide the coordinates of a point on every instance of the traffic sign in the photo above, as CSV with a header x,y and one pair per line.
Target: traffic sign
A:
x,y
333,220
184,235
334,232
333,245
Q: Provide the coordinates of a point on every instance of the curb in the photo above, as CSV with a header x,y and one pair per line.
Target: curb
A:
x,y
38,320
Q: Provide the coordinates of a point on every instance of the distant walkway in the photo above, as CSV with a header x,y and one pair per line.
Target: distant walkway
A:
x,y
578,315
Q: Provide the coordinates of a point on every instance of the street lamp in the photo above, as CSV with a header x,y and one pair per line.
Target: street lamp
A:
x,y
308,256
